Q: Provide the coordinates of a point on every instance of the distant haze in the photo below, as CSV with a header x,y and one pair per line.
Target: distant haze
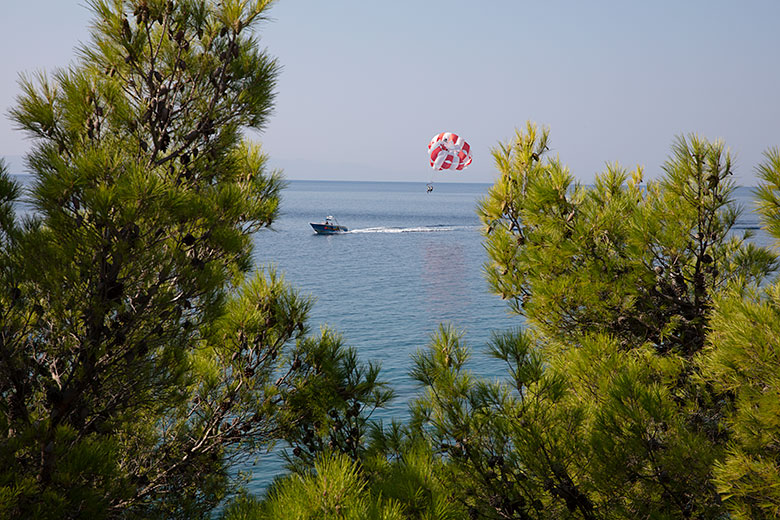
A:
x,y
366,84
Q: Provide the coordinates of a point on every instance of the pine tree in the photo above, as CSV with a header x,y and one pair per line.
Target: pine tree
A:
x,y
329,401
741,363
638,262
140,355
333,489
605,413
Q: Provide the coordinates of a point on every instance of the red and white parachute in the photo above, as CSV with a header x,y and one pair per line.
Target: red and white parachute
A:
x,y
449,151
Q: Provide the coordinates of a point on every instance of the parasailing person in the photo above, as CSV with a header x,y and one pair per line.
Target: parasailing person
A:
x,y
448,151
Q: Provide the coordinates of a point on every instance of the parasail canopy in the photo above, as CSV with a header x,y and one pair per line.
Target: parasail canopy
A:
x,y
449,151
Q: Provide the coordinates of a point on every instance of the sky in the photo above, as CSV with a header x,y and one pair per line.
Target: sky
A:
x,y
365,84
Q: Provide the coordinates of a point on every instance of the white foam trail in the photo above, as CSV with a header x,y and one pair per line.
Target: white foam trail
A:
x,y
419,229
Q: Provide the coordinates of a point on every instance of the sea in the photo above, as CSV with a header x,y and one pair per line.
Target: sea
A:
x,y
410,261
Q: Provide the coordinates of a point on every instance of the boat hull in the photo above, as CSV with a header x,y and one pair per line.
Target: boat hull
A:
x,y
327,229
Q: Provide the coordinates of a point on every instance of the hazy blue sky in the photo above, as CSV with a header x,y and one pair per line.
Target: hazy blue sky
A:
x,y
365,84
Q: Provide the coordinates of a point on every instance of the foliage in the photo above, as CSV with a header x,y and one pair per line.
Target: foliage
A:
x,y
139,358
142,356
644,385
741,362
414,477
586,433
332,490
607,412
638,262
330,400
408,485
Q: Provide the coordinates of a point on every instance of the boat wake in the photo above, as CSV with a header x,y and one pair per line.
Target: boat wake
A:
x,y
417,229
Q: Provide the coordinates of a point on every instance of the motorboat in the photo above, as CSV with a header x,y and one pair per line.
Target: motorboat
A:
x,y
329,227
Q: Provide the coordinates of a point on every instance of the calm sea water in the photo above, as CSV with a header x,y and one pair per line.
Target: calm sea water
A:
x,y
410,261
